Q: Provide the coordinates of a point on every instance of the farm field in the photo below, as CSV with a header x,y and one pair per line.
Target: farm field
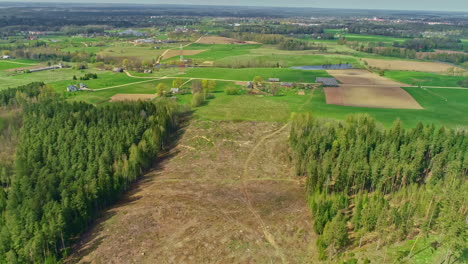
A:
x,y
424,78
286,75
365,89
175,52
366,38
222,40
404,65
372,97
132,97
219,51
13,64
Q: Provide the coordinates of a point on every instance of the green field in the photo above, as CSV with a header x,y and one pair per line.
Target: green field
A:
x,y
286,75
366,38
13,64
424,78
219,51
437,110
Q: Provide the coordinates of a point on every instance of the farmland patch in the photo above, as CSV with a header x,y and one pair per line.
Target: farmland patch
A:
x,y
403,65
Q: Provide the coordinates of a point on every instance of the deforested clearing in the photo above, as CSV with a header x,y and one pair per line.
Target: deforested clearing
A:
x,y
224,194
403,65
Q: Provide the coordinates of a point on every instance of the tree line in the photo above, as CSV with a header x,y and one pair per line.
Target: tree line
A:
x,y
363,179
72,160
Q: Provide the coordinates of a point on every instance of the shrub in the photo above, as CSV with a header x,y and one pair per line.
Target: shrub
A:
x,y
232,90
198,99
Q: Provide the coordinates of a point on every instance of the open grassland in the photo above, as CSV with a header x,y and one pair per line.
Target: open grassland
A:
x,y
143,53
441,107
424,78
285,59
216,52
11,79
13,64
173,53
405,65
286,75
365,38
105,79
104,95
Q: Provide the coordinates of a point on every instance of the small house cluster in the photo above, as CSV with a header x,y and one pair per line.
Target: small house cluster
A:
x,y
77,87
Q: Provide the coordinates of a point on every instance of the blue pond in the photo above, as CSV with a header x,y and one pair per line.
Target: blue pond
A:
x,y
342,66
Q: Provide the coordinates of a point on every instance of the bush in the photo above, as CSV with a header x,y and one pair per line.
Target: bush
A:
x,y
232,91
198,99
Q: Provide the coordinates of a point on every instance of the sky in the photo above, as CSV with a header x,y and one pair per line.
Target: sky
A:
x,y
437,5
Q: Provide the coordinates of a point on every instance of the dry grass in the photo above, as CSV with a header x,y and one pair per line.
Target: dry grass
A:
x,y
222,40
131,97
362,88
402,65
194,207
175,53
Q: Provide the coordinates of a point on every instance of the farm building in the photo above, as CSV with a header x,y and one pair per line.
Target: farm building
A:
x,y
249,85
273,79
174,90
72,88
58,66
117,70
5,57
329,82
287,84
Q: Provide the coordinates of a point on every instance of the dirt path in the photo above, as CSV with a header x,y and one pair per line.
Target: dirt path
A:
x,y
166,51
224,194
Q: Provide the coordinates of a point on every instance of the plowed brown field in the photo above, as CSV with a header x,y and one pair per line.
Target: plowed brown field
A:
x,y
362,88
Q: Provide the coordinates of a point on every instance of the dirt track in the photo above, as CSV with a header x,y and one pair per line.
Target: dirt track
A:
x,y
224,194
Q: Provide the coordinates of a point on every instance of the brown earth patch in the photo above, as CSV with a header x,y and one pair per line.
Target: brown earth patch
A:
x,y
377,97
363,77
175,52
402,65
224,194
131,97
222,40
362,88
333,95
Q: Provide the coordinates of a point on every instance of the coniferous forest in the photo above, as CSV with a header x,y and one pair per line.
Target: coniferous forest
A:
x,y
366,183
72,160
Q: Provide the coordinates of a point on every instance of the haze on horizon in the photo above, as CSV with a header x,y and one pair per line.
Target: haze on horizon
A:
x,y
429,5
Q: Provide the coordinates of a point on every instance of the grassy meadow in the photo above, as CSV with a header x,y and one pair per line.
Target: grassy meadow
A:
x,y
424,78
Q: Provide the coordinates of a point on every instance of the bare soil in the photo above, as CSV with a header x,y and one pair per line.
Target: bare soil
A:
x,y
224,194
222,40
131,97
362,88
